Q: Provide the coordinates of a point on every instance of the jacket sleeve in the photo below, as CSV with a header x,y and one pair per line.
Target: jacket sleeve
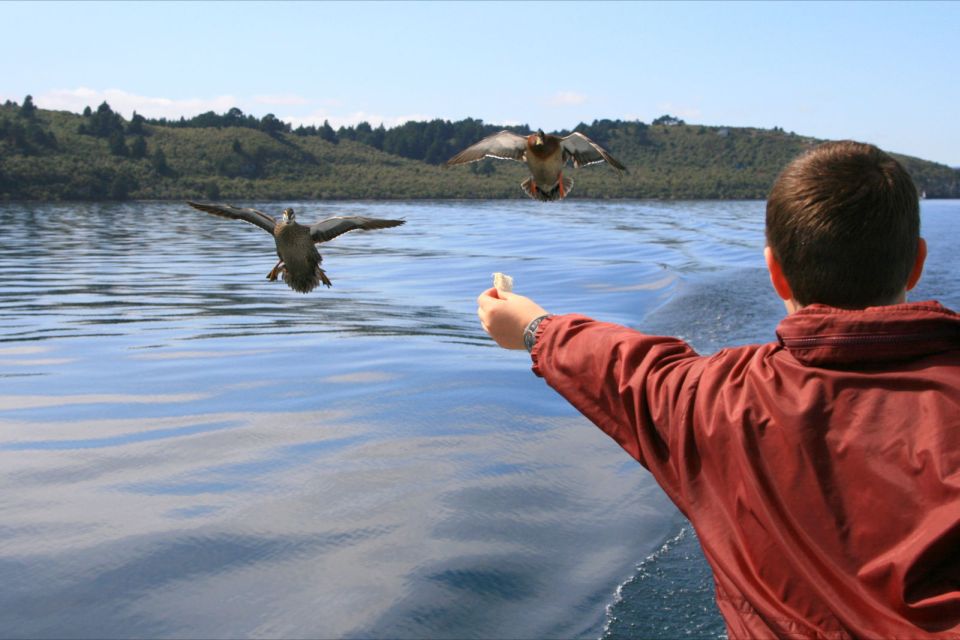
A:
x,y
637,388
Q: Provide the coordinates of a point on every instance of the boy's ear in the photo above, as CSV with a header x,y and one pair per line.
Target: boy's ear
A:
x,y
917,264
779,281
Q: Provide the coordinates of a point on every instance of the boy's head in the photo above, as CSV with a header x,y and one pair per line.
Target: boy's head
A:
x,y
843,223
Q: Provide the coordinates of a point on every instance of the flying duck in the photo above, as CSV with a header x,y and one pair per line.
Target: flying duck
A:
x,y
296,243
545,155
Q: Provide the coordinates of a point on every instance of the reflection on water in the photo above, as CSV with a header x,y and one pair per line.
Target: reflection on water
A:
x,y
189,450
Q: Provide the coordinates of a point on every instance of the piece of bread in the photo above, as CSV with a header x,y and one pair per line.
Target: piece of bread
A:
x,y
502,282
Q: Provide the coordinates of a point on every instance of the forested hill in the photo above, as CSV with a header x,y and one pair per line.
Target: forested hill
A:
x,y
98,155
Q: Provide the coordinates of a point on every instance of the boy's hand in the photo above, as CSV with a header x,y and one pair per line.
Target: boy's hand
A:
x,y
505,315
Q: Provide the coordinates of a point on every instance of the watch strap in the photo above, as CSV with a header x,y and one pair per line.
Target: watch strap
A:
x,y
530,333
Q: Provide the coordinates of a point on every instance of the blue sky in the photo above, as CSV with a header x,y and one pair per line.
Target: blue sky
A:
x,y
883,72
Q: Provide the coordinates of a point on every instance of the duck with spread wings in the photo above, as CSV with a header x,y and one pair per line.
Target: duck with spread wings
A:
x,y
299,262
545,156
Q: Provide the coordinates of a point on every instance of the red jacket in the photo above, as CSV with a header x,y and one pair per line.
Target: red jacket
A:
x,y
821,471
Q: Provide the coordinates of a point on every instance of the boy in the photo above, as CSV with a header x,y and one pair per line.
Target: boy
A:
x,y
821,471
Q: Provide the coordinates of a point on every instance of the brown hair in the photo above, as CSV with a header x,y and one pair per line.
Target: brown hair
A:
x,y
843,221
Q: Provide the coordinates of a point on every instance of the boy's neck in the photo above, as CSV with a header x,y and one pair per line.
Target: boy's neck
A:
x,y
793,306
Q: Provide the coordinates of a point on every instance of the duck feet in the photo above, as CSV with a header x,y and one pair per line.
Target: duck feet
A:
x,y
272,276
530,188
323,277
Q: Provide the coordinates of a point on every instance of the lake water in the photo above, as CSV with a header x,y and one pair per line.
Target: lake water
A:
x,y
188,450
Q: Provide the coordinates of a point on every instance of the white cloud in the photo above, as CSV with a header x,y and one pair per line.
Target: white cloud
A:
x,y
566,99
347,120
126,103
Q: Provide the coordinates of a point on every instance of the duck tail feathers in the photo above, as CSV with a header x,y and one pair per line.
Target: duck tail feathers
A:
x,y
530,190
306,282
546,196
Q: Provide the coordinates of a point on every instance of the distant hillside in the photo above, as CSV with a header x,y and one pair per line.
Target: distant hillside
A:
x,y
55,155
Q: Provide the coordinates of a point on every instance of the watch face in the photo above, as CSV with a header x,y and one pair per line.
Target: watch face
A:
x,y
528,339
530,333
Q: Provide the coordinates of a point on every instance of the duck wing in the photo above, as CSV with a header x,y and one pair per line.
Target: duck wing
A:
x,y
585,151
504,145
332,227
259,218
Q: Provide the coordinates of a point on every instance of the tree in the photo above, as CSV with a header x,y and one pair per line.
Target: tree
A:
x,y
41,136
363,132
136,124
484,167
159,162
377,136
269,124
303,131
102,123
118,145
139,148
668,120
121,186
28,110
16,134
327,133
240,164
436,153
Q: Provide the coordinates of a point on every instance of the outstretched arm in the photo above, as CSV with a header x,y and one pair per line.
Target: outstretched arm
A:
x,y
632,385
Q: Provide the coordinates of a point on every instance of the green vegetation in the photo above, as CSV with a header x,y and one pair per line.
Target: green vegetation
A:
x,y
56,155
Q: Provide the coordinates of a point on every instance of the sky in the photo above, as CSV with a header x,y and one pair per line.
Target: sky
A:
x,y
880,72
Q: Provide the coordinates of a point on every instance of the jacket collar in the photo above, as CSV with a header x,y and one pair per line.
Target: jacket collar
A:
x,y
824,336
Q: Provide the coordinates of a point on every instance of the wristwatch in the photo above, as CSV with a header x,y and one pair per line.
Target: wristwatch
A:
x,y
530,333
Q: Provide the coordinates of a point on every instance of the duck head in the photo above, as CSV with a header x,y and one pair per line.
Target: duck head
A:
x,y
538,138
288,215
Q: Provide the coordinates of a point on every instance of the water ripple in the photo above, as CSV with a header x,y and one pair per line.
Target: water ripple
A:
x,y
189,450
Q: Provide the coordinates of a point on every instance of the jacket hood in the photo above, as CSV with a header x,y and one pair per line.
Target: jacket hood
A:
x,y
824,336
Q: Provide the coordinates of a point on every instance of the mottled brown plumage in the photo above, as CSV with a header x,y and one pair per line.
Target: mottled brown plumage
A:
x,y
296,244
545,156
